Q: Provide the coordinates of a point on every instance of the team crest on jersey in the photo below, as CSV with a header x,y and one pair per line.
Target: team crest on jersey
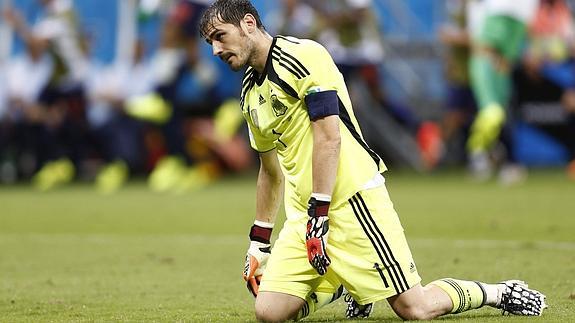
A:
x,y
254,116
279,108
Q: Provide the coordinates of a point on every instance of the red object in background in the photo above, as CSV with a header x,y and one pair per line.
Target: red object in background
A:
x,y
155,147
430,143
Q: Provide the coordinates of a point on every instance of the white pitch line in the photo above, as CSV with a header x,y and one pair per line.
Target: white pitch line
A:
x,y
230,239
495,244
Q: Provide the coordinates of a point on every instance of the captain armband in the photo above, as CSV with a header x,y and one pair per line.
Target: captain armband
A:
x,y
322,104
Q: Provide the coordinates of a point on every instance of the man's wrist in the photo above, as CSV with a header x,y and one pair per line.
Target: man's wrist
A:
x,y
261,231
318,205
321,197
264,224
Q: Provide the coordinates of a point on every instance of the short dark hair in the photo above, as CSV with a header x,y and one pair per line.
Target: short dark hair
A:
x,y
228,11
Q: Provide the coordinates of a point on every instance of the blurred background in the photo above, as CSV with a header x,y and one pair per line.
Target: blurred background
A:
x,y
469,102
108,90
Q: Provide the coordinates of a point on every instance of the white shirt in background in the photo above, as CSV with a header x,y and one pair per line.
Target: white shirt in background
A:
x,y
369,47
478,10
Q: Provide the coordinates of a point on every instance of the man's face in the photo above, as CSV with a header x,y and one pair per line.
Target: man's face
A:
x,y
231,44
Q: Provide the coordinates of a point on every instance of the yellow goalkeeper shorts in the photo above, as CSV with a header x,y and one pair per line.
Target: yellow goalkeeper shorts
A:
x,y
367,247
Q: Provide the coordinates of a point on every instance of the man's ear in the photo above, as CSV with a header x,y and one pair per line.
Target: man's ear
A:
x,y
249,23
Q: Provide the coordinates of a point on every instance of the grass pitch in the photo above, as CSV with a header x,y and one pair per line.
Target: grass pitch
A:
x,y
73,255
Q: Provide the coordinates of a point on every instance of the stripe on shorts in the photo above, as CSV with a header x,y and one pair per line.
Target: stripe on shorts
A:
x,y
379,243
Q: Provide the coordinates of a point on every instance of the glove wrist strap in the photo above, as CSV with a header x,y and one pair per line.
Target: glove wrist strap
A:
x,y
317,207
260,233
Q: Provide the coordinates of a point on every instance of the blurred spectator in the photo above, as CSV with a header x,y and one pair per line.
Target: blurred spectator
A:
x,y
117,137
549,67
174,81
185,102
352,35
551,50
60,32
22,119
295,18
64,127
499,30
460,102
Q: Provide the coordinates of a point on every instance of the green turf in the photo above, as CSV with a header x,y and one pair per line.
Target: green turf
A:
x,y
73,255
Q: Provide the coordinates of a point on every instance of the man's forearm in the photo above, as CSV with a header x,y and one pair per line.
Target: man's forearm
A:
x,y
268,200
269,194
325,159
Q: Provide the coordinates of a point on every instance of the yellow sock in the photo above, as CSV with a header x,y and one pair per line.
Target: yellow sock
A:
x,y
486,128
317,300
465,295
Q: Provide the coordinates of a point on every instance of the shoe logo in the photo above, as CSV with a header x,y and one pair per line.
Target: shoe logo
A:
x,y
262,100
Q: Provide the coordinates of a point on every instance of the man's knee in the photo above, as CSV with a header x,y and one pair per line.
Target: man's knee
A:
x,y
414,312
277,307
264,315
420,303
271,314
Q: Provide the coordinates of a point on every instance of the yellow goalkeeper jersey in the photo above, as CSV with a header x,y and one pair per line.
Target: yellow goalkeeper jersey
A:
x,y
274,107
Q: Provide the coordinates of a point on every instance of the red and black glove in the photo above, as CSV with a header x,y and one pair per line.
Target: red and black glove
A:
x,y
316,235
257,256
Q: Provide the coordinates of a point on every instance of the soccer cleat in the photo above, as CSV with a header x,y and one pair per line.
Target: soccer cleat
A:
x,y
518,299
167,174
197,177
480,166
355,310
512,174
53,174
112,177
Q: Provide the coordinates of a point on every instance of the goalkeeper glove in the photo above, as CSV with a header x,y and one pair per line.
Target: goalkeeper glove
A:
x,y
257,255
316,235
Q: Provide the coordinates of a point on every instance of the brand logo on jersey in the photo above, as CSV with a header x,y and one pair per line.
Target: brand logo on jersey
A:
x,y
412,267
262,100
279,108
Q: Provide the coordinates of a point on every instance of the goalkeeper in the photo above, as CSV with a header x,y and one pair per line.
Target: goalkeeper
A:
x,y
341,227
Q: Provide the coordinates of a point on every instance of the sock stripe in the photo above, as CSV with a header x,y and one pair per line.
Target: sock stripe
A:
x,y
379,243
337,294
484,293
304,310
460,293
396,266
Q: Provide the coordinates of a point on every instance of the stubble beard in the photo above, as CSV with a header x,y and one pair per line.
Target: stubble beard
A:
x,y
245,55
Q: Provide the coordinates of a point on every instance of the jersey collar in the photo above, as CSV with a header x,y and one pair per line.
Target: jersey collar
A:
x,y
261,77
